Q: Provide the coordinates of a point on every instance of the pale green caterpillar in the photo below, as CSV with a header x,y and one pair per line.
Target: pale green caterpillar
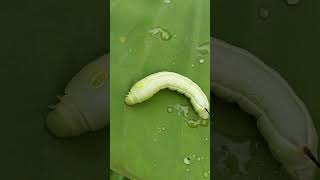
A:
x,y
150,85
282,118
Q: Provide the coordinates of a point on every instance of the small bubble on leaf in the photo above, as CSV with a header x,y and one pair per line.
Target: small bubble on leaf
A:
x,y
187,161
164,34
205,174
204,48
123,39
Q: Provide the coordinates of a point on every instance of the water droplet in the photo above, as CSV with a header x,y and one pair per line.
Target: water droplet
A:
x,y
123,39
182,110
198,158
207,139
201,60
204,48
292,2
263,13
174,36
187,160
192,124
205,174
167,1
161,130
193,156
204,122
192,65
155,140
188,170
169,110
164,34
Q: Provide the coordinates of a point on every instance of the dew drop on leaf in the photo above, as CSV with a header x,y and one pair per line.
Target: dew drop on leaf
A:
x,y
192,124
164,34
205,174
187,160
204,48
123,39
182,110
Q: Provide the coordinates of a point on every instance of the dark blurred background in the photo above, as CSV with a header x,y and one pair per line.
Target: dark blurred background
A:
x,y
285,37
43,43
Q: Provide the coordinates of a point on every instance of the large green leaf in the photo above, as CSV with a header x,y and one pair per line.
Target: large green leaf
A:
x,y
148,141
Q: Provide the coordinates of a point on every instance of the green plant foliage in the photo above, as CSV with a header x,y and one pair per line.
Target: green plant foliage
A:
x,y
153,140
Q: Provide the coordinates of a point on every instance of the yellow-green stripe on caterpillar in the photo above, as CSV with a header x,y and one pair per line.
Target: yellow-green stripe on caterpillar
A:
x,y
150,85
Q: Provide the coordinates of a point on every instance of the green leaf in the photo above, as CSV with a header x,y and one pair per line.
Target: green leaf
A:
x,y
148,141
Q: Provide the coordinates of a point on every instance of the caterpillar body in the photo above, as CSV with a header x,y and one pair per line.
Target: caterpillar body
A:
x,y
282,118
84,107
150,85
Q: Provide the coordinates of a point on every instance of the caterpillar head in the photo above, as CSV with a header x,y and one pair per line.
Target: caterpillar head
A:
x,y
66,120
130,99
